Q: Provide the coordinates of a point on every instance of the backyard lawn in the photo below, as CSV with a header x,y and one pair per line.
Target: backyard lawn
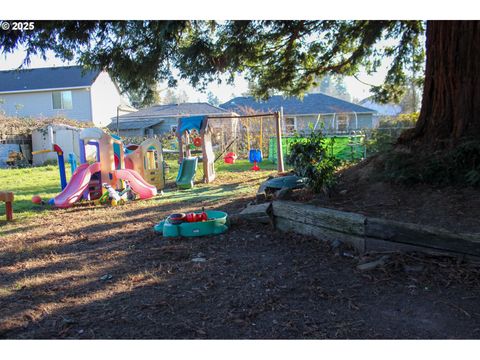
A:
x,y
45,181
102,272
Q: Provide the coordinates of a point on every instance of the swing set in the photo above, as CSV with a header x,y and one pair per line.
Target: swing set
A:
x,y
255,155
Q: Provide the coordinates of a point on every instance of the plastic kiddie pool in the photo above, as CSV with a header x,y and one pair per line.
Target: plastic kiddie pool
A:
x,y
216,224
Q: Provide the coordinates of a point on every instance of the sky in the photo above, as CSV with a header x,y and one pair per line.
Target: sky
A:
x,y
223,91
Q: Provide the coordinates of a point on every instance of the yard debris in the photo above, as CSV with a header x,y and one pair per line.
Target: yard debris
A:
x,y
284,193
413,268
373,264
275,185
259,213
347,254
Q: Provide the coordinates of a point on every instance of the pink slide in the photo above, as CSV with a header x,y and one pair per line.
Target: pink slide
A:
x,y
76,186
139,186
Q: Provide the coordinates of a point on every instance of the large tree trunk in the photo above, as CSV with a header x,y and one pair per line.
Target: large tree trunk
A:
x,y
451,96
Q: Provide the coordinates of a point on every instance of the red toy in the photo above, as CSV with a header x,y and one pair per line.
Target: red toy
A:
x,y
197,141
230,158
195,217
36,199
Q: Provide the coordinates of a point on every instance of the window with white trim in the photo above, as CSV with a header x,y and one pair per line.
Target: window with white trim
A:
x,y
290,125
62,100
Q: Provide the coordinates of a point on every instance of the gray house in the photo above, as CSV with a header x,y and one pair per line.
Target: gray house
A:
x,y
381,110
162,119
320,111
70,91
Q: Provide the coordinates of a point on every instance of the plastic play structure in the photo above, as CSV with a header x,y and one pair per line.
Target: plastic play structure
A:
x,y
89,180
188,163
61,161
206,222
147,160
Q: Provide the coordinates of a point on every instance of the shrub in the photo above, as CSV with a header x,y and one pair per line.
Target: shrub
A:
x,y
460,165
383,138
311,158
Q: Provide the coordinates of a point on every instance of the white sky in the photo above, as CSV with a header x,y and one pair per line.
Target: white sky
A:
x,y
223,91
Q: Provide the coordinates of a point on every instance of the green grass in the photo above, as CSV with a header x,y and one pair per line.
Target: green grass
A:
x,y
45,181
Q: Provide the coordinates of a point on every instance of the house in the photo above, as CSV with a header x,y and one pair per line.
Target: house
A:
x,y
162,119
319,111
382,110
69,91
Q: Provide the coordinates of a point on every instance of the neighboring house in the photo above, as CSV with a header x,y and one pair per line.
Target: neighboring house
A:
x,y
161,119
320,111
69,91
381,109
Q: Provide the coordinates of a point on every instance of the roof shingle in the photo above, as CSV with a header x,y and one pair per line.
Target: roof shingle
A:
x,y
175,110
46,78
311,104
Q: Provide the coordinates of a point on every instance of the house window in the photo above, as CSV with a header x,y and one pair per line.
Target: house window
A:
x,y
290,125
342,123
62,100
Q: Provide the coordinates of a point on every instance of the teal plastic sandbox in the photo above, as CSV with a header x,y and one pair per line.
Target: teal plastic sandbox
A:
x,y
216,224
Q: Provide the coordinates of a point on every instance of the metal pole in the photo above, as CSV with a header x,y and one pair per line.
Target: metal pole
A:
x,y
278,118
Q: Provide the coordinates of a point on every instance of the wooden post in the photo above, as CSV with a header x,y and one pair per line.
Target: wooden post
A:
x,y
9,210
278,123
7,197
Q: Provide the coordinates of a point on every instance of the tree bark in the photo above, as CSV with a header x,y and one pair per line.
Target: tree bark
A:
x,y
451,96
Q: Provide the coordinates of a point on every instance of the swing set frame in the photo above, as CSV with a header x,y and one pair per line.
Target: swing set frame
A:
x,y
278,132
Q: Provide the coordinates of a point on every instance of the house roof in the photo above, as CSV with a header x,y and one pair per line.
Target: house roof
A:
x,y
311,104
62,77
175,110
134,124
382,109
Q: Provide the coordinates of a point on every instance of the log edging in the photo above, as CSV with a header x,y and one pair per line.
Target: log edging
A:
x,y
369,233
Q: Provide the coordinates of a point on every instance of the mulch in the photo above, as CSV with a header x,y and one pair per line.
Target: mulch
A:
x,y
102,273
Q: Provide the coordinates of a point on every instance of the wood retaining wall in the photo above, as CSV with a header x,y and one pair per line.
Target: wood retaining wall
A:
x,y
368,234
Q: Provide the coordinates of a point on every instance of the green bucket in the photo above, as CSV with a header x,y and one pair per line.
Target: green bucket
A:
x,y
216,224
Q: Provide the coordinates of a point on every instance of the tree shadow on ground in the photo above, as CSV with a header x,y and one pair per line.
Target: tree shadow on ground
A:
x,y
113,277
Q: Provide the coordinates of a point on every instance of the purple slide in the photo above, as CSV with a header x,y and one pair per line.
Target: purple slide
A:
x,y
76,186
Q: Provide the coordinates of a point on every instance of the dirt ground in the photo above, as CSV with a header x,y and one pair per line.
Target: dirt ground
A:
x,y
452,208
102,273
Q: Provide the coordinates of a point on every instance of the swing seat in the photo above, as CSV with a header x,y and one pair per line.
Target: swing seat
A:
x,y
255,155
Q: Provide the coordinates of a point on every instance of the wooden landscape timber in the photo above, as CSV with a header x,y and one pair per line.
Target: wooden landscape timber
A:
x,y
368,234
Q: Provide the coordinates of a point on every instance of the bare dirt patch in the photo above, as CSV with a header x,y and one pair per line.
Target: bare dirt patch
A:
x,y
103,273
450,208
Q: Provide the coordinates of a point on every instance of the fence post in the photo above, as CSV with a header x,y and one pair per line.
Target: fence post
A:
x,y
278,125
